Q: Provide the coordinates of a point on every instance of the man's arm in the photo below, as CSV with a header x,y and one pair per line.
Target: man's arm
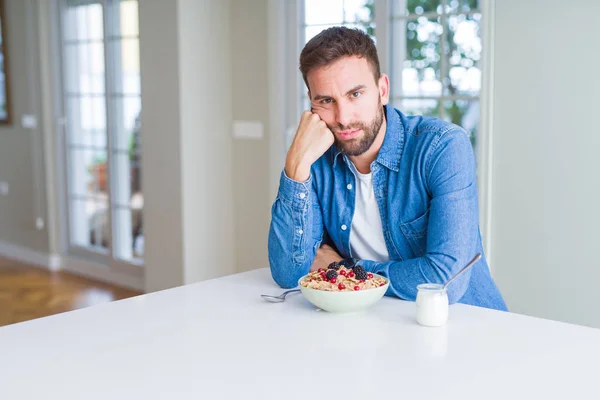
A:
x,y
453,227
296,221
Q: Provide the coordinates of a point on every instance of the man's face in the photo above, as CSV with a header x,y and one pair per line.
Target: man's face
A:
x,y
350,101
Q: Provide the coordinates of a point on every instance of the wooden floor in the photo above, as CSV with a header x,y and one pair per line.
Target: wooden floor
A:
x,y
28,292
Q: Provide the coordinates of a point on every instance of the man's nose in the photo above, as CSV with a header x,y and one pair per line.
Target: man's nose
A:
x,y
343,115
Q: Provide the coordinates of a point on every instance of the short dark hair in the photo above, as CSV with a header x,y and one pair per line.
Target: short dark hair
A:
x,y
337,42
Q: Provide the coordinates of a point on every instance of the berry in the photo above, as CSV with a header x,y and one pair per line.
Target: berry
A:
x,y
361,275
369,275
331,274
321,270
356,288
350,274
333,280
382,284
334,265
343,272
362,281
323,276
357,268
341,286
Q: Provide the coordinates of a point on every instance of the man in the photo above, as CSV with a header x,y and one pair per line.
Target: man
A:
x,y
363,181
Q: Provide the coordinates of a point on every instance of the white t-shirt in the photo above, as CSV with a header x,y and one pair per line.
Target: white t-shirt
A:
x,y
366,235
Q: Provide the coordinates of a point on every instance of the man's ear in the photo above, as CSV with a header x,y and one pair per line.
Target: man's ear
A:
x,y
384,89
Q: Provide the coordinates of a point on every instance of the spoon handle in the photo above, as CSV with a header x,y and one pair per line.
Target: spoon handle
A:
x,y
473,261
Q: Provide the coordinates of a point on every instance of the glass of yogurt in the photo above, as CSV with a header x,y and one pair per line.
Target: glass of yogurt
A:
x,y
432,304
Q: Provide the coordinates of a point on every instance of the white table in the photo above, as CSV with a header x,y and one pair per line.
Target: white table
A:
x,y
219,340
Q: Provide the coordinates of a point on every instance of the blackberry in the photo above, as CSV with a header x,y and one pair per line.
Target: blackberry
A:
x,y
331,274
361,275
334,265
358,268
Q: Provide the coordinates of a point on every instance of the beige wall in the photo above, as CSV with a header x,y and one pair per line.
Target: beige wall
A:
x,y
545,186
250,157
21,150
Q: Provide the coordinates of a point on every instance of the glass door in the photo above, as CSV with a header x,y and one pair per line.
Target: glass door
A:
x,y
102,103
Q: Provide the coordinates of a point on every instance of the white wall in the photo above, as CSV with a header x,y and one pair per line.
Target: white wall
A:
x,y
546,188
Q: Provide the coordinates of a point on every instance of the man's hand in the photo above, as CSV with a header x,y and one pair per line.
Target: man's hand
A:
x,y
311,141
325,256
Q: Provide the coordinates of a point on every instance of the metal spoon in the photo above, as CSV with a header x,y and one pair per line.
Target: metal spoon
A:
x,y
280,298
473,261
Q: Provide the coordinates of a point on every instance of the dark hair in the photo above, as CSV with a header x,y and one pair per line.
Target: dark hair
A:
x,y
337,42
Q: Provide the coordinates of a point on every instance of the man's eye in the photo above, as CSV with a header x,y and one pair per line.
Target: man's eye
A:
x,y
325,101
356,94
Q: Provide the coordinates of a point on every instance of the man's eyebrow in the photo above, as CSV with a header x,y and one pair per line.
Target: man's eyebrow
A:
x,y
354,89
321,97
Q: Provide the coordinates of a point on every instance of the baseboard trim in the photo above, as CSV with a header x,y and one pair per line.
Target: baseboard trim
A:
x,y
28,256
74,265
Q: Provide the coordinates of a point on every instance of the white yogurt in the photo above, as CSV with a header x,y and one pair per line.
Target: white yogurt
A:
x,y
432,305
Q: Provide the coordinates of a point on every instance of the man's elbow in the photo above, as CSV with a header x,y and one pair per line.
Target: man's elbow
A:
x,y
283,276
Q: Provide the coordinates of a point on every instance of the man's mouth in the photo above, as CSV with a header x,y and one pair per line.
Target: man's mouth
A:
x,y
348,134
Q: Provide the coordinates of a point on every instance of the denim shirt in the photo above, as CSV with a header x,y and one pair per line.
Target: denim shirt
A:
x,y
425,187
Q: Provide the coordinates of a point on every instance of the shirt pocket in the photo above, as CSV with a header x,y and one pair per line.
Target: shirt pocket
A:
x,y
415,233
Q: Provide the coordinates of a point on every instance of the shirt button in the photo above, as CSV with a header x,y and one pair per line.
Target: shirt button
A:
x,y
302,195
349,186
300,231
344,227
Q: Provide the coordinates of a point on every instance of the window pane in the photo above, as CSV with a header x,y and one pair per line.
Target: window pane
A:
x,y
361,11
464,55
464,113
121,175
126,67
123,231
129,235
81,172
126,122
129,18
79,219
99,223
426,107
416,7
416,57
323,12
94,23
462,6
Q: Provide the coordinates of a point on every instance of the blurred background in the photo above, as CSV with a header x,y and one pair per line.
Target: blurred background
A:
x,y
141,142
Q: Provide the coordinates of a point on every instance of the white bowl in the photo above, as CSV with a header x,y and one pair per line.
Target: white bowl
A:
x,y
344,302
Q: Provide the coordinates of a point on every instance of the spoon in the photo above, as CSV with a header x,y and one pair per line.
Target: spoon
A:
x,y
473,261
280,298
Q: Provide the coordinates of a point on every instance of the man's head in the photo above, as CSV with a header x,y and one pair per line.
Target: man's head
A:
x,y
345,85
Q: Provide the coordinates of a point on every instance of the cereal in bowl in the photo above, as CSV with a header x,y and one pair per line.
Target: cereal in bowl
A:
x,y
342,277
